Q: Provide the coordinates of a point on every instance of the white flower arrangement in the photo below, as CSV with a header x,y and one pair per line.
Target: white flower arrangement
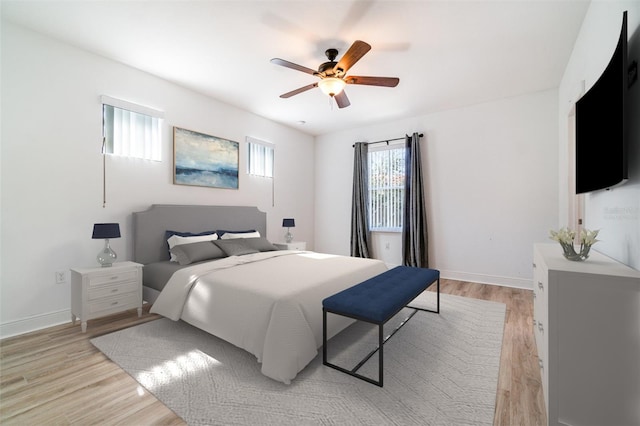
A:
x,y
566,236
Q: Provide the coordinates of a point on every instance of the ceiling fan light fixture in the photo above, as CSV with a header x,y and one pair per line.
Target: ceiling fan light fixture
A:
x,y
331,86
332,74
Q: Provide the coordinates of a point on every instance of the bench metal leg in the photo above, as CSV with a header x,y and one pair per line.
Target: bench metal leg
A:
x,y
381,356
380,349
353,371
381,340
324,336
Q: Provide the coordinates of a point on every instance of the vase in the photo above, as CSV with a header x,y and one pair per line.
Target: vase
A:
x,y
569,252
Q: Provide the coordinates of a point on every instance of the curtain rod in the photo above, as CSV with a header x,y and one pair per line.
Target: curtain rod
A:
x,y
386,141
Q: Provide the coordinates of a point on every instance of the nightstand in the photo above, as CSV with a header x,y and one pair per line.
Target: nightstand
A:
x,y
293,245
96,292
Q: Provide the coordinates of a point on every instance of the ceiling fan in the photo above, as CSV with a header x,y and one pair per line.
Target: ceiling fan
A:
x,y
333,76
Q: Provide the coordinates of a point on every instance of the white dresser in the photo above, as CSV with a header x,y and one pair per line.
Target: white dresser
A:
x,y
587,325
96,292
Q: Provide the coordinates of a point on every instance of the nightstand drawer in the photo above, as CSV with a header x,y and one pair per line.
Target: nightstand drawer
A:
x,y
113,290
116,304
114,277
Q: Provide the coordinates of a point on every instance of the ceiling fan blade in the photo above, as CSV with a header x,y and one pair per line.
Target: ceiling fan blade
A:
x,y
373,81
353,55
293,66
300,90
342,100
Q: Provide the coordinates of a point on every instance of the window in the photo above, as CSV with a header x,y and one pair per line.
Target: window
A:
x,y
259,158
131,130
386,188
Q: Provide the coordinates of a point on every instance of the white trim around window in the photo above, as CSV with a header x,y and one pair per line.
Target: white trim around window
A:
x,y
129,106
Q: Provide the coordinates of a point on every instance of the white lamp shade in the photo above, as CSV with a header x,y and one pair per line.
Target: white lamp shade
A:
x,y
331,86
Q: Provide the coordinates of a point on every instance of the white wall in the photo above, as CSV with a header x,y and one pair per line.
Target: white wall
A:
x,y
51,191
491,174
616,213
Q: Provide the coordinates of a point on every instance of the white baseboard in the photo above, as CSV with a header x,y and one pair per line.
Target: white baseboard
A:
x,y
36,322
526,284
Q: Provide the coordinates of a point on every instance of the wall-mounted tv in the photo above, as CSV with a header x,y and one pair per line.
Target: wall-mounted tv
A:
x,y
601,127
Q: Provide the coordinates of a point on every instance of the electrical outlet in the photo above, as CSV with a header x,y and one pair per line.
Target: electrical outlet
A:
x,y
61,277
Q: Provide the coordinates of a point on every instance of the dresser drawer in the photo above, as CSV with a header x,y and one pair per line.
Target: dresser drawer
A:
x,y
111,278
116,304
113,290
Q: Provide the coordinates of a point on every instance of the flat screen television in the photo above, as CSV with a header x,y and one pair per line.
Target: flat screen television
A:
x,y
601,125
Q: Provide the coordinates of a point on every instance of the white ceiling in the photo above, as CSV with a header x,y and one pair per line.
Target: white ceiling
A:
x,y
447,54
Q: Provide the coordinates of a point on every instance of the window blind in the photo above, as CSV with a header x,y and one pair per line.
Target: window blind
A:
x,y
131,130
386,188
260,156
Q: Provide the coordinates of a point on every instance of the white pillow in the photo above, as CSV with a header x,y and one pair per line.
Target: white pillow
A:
x,y
177,240
231,235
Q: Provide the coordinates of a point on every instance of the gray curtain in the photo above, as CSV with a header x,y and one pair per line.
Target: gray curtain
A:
x,y
414,227
360,234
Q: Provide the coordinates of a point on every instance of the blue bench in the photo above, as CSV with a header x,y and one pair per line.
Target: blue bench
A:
x,y
376,301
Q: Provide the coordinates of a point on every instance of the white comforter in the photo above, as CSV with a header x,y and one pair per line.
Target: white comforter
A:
x,y
269,304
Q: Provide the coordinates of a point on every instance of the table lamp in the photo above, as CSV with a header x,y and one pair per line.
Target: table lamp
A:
x,y
288,223
106,230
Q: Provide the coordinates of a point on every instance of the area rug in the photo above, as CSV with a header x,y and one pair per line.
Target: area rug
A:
x,y
438,370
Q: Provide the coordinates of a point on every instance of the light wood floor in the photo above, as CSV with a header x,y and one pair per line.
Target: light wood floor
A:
x,y
56,377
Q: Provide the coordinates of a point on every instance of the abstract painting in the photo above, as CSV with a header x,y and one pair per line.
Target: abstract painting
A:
x,y
203,160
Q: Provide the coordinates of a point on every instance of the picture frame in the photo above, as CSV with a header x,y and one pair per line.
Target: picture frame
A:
x,y
204,160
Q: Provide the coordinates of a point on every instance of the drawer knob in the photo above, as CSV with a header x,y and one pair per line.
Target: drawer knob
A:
x,y
115,290
115,277
540,285
535,322
534,264
114,303
540,327
540,363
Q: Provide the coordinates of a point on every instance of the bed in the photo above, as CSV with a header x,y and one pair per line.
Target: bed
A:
x,y
267,302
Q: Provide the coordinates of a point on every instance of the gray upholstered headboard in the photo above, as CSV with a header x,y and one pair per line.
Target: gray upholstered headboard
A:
x,y
149,226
